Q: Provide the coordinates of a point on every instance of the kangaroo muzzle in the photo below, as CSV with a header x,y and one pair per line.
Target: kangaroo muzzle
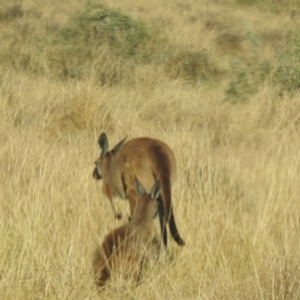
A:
x,y
96,174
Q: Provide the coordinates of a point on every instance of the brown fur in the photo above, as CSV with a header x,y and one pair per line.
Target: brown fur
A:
x,y
144,158
125,247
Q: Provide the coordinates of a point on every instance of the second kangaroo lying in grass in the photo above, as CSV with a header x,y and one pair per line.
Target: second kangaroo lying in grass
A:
x,y
127,246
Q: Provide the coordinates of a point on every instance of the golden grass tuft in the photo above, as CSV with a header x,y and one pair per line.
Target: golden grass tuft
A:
x,y
236,198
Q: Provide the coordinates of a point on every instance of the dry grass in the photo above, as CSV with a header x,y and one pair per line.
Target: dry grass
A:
x,y
236,199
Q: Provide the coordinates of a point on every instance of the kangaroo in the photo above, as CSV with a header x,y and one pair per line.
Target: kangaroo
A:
x,y
128,245
146,159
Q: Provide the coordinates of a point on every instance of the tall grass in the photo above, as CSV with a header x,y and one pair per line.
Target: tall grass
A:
x,y
236,195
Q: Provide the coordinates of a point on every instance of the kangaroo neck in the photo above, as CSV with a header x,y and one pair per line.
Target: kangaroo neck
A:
x,y
117,179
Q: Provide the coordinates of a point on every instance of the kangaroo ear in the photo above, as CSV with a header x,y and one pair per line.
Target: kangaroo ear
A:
x,y
155,190
139,188
118,146
103,143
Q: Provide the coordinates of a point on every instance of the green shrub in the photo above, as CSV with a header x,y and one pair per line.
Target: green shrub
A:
x,y
246,79
98,41
287,75
247,75
99,25
104,41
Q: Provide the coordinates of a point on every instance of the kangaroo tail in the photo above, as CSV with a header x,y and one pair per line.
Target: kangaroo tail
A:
x,y
162,222
166,195
174,230
168,210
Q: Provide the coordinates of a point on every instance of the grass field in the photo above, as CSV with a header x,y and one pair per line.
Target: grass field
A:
x,y
217,80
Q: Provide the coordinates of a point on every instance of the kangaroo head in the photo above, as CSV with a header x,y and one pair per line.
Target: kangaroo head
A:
x,y
147,203
103,162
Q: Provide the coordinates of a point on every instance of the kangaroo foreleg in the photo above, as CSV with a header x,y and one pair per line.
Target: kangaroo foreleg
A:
x,y
108,192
